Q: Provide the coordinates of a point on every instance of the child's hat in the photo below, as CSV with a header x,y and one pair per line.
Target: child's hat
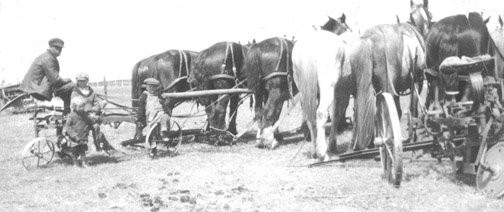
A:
x,y
151,81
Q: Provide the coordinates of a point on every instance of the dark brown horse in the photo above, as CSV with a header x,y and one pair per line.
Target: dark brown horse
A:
x,y
171,68
268,66
458,35
220,67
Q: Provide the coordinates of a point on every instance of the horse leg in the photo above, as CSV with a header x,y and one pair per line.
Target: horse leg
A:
x,y
313,132
211,116
304,128
322,115
220,112
233,111
259,111
272,110
340,105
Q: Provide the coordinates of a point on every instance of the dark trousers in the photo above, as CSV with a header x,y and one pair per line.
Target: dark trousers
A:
x,y
65,92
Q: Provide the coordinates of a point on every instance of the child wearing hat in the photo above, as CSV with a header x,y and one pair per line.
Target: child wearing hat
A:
x,y
77,129
151,105
92,107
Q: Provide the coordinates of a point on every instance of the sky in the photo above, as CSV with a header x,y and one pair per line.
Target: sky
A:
x,y
106,38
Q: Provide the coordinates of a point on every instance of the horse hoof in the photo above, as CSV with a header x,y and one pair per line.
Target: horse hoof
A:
x,y
274,145
259,144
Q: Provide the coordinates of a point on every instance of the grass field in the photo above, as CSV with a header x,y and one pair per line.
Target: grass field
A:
x,y
209,178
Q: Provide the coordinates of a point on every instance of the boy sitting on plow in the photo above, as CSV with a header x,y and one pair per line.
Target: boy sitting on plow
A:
x,y
152,109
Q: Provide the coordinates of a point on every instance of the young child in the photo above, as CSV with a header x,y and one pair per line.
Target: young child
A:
x,y
151,104
77,128
93,108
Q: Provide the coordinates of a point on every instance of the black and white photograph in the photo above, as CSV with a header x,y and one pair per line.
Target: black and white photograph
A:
x,y
264,105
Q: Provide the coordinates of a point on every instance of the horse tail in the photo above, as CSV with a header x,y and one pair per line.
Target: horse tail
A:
x,y
365,101
253,71
136,85
306,79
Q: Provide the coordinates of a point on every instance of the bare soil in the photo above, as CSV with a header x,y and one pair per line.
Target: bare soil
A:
x,y
204,177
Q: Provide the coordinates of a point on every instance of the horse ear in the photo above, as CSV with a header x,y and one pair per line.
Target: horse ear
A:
x,y
426,3
500,21
253,41
343,18
397,19
411,3
487,20
412,20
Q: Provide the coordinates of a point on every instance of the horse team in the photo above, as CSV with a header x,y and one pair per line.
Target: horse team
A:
x,y
324,68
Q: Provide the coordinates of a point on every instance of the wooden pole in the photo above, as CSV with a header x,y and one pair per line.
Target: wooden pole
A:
x,y
189,94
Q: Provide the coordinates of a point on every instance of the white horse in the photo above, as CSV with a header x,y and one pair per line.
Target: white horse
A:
x,y
322,73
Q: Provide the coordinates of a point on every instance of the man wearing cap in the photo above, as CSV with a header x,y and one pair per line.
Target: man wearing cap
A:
x,y
151,106
43,79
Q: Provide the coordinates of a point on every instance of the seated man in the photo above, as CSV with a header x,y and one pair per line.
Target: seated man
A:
x,y
151,105
77,129
43,80
92,108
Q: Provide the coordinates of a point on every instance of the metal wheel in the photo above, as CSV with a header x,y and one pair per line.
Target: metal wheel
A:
x,y
389,138
490,176
152,138
38,152
174,144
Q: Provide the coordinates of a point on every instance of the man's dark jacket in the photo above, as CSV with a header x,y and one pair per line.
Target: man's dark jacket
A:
x,y
42,77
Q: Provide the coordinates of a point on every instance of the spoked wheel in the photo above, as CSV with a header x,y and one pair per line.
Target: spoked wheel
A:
x,y
152,138
490,176
38,152
174,144
389,138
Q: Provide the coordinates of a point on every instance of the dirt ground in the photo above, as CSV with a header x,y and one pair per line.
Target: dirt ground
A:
x,y
204,177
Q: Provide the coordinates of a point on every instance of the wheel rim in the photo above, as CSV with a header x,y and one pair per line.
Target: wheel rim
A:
x,y
388,130
38,152
174,148
492,183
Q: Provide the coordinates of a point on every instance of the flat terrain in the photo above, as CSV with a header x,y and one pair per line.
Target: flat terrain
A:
x,y
204,177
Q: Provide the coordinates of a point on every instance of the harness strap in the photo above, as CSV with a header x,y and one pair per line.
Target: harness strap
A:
x,y
431,72
221,76
274,74
171,85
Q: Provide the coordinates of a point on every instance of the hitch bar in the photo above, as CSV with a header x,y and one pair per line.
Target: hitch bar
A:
x,y
369,153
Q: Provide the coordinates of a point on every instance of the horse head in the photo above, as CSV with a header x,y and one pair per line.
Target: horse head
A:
x,y
420,16
336,26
